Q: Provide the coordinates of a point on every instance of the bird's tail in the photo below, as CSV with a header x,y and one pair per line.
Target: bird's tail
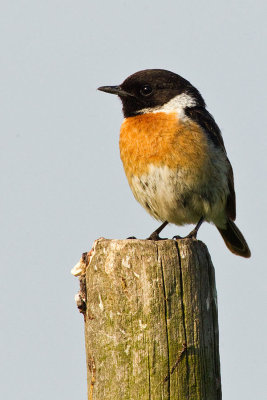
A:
x,y
234,239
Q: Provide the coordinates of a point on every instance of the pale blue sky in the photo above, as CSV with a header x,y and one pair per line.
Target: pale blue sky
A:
x,y
63,184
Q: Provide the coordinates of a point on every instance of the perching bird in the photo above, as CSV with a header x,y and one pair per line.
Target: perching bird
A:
x,y
174,156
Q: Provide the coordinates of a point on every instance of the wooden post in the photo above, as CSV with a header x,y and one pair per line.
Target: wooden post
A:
x,y
151,327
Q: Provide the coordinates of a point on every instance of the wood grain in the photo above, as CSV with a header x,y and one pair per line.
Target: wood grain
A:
x,y
151,326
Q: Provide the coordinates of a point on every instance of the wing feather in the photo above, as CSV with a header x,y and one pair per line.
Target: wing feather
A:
x,y
203,118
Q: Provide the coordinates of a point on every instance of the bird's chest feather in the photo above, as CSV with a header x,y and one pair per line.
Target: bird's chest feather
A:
x,y
160,139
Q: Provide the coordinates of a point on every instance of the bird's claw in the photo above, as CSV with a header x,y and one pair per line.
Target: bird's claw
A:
x,y
177,237
191,235
155,236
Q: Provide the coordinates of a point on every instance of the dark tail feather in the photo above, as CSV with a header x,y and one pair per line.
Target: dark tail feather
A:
x,y
234,239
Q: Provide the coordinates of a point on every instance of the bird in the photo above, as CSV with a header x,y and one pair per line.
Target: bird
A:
x,y
174,156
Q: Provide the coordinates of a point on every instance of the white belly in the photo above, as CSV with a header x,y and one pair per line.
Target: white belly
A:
x,y
181,197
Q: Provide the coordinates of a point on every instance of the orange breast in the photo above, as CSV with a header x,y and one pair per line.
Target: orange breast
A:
x,y
161,139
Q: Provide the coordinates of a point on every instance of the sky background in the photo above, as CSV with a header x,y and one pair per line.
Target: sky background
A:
x,y
63,185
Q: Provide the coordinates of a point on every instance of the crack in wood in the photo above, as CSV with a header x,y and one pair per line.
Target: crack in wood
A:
x,y
166,325
183,312
179,359
92,369
149,377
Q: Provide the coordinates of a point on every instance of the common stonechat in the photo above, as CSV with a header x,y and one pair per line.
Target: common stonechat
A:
x,y
174,156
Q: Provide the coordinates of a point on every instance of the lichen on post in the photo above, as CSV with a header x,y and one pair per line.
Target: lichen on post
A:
x,y
151,326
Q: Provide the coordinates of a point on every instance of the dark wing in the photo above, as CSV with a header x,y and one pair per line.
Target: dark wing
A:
x,y
230,204
203,118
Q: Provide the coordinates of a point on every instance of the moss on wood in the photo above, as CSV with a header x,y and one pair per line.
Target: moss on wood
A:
x,y
151,324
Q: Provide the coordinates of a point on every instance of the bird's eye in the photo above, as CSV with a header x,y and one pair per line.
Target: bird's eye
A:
x,y
146,90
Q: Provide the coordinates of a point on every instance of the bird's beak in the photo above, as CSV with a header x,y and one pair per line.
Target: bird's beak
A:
x,y
114,90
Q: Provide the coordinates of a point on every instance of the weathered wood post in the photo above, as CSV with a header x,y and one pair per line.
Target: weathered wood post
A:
x,y
151,327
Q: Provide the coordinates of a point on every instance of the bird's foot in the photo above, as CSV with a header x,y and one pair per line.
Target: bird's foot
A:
x,y
155,236
177,237
191,235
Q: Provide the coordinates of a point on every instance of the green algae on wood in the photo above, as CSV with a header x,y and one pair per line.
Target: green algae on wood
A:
x,y
151,326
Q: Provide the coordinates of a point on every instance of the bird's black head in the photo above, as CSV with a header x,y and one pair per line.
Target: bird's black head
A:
x,y
152,89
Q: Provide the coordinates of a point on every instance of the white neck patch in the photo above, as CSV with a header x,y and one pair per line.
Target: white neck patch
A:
x,y
175,105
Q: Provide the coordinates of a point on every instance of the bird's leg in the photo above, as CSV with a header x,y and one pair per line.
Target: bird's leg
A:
x,y
193,233
155,235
